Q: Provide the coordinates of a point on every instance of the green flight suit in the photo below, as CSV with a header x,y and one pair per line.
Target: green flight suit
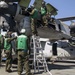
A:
x,y
23,60
7,48
8,51
43,15
34,17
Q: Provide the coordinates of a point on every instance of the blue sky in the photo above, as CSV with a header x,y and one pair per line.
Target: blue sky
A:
x,y
66,8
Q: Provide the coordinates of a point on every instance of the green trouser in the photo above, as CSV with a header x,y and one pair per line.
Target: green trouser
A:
x,y
8,59
34,25
23,61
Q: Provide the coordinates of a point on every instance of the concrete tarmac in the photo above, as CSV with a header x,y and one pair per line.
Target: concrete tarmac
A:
x,y
58,68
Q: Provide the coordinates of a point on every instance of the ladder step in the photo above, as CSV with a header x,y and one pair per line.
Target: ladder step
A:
x,y
37,59
40,57
37,54
31,59
41,60
40,66
31,64
37,48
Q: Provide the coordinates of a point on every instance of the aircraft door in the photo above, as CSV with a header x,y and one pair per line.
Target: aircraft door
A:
x,y
54,48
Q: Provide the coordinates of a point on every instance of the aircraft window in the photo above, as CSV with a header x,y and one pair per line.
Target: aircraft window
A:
x,y
43,44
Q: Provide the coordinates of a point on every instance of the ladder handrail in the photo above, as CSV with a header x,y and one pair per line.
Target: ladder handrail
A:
x,y
34,53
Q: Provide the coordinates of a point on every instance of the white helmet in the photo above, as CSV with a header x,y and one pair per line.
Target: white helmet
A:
x,y
32,6
22,31
43,2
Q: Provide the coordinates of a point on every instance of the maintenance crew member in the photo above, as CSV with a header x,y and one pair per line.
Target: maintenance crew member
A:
x,y
1,42
43,14
8,50
22,47
34,17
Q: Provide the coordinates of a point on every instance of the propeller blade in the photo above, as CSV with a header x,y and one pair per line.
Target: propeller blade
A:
x,y
67,18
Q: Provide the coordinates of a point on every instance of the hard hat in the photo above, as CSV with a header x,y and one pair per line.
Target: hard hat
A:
x,y
32,6
43,2
22,31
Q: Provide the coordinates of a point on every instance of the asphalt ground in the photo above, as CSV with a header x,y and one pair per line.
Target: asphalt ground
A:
x,y
56,68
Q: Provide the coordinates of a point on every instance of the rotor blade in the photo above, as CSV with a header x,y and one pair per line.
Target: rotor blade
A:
x,y
24,3
67,18
51,9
